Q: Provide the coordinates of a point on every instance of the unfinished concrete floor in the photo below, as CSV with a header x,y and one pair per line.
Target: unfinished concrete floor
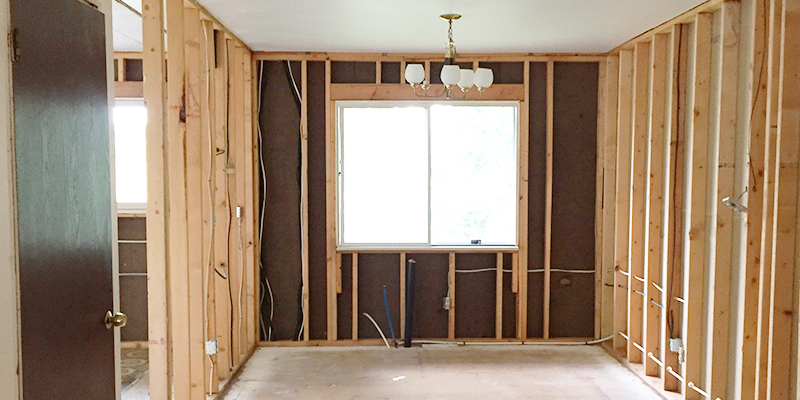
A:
x,y
437,372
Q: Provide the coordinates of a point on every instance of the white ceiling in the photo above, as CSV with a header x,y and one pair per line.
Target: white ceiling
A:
x,y
412,26
127,25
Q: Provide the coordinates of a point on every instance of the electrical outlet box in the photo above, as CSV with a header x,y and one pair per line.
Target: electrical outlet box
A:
x,y
676,345
212,347
446,303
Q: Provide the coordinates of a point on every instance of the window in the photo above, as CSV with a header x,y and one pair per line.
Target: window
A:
x,y
130,156
421,174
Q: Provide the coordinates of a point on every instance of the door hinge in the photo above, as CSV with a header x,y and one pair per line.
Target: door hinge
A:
x,y
13,45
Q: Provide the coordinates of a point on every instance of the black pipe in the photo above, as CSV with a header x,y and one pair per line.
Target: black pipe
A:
x,y
410,268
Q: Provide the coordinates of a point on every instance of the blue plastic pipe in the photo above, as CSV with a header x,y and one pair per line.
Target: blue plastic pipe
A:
x,y
388,316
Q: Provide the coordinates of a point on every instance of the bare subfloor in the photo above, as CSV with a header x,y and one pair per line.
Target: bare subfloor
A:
x,y
437,372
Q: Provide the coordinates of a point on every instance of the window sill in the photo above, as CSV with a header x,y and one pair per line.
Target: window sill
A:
x,y
428,249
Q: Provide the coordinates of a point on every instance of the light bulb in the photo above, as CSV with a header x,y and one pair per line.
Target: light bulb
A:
x,y
415,73
450,75
466,79
483,78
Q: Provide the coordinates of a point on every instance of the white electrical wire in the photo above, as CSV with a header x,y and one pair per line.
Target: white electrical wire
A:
x,y
378,328
541,343
574,271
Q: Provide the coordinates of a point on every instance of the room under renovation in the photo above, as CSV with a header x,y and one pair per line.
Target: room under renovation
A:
x,y
428,200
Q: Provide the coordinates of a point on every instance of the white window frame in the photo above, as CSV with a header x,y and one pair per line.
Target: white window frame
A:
x,y
128,208
354,247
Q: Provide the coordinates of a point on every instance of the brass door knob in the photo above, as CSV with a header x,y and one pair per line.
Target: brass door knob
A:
x,y
115,320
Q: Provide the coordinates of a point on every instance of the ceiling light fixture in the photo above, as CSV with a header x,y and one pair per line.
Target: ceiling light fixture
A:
x,y
451,74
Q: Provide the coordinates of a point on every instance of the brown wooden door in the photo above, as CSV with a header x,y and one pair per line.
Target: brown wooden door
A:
x,y
61,140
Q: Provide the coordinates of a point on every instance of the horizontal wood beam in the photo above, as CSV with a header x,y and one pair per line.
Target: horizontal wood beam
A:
x,y
346,91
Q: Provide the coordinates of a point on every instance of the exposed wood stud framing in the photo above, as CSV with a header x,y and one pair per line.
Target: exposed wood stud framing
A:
x,y
548,198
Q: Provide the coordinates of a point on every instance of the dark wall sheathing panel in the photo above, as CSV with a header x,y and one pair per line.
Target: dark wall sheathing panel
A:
x,y
507,72
344,302
374,272
131,228
509,299
134,70
352,72
317,238
280,246
133,302
574,179
430,317
537,151
476,293
132,257
390,73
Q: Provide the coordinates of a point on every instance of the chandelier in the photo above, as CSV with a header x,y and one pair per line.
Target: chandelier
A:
x,y
451,74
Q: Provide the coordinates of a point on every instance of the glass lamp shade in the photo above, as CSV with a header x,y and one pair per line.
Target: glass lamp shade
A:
x,y
483,77
466,79
415,73
451,75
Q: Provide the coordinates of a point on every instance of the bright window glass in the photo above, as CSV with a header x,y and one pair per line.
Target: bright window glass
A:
x,y
130,117
427,174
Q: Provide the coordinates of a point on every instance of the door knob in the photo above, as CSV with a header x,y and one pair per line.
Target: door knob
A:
x,y
115,320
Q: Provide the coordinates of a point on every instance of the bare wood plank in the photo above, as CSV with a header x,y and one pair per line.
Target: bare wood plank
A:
x,y
250,202
602,103
522,243
609,194
304,190
177,224
451,293
155,95
623,195
658,92
402,293
378,72
427,72
699,104
719,314
639,200
393,91
128,89
194,201
786,182
435,57
498,298
333,271
222,211
758,132
355,296
236,254
548,199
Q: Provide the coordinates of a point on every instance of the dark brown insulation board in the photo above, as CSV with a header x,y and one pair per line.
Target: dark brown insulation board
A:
x,y
507,72
344,302
574,179
509,299
537,149
352,72
430,317
132,257
131,228
476,293
390,73
134,71
436,70
317,238
280,245
133,302
374,272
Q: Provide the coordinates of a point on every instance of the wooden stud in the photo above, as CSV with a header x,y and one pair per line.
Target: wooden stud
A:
x,y
355,296
428,71
602,87
784,258
236,257
222,212
639,200
672,270
515,277
194,201
522,252
333,268
758,131
155,95
177,224
431,57
498,298
609,195
378,72
623,186
304,191
548,199
695,267
451,293
402,293
727,70
658,92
